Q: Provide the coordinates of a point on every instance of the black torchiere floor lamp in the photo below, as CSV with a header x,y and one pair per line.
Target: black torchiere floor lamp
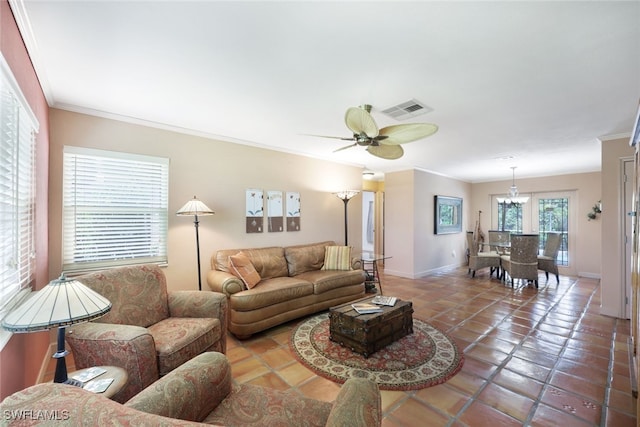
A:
x,y
345,196
195,208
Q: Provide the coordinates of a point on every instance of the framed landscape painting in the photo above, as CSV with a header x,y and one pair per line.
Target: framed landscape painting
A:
x,y
448,215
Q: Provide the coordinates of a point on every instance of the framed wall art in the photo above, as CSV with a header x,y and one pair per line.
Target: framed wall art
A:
x,y
448,215
275,211
254,211
293,211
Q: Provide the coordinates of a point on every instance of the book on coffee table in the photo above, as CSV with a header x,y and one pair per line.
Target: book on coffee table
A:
x,y
366,308
382,300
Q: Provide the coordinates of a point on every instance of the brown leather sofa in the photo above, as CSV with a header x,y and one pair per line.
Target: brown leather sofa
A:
x,y
292,284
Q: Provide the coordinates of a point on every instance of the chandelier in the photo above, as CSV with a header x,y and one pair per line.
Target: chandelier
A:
x,y
512,196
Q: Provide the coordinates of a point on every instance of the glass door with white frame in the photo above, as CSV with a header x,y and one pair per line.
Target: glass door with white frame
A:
x,y
554,212
513,217
542,213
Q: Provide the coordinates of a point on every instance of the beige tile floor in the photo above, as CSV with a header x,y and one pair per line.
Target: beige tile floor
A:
x,y
542,357
539,357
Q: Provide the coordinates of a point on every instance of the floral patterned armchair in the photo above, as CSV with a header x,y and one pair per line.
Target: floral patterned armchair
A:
x,y
200,392
149,331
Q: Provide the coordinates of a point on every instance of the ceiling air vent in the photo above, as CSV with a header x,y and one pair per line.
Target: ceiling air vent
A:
x,y
407,110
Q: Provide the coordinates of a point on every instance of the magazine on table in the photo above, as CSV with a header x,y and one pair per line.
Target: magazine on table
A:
x,y
382,300
98,386
88,374
366,308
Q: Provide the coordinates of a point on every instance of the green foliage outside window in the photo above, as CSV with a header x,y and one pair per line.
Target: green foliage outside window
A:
x,y
510,217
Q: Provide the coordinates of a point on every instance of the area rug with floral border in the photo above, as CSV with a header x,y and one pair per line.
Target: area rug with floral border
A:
x,y
425,358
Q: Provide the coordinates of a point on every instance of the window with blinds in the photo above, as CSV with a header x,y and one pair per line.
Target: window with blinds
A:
x,y
115,209
18,127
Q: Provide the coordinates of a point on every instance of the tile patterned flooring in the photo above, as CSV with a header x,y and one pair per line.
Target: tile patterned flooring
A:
x,y
541,357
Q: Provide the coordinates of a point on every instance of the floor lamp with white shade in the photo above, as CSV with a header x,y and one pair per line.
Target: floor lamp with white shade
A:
x,y
345,196
195,208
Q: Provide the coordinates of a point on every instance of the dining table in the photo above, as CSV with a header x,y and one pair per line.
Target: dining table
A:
x,y
501,248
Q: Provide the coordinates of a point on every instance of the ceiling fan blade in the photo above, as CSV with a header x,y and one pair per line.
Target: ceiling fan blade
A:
x,y
333,137
401,134
345,147
389,152
360,121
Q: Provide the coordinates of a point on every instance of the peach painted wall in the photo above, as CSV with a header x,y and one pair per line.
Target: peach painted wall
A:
x,y
218,173
21,359
410,241
612,226
399,217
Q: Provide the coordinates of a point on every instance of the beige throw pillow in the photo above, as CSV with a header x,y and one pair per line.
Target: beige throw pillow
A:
x,y
337,258
241,267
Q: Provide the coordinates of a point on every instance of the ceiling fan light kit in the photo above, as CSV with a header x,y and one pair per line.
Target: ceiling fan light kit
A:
x,y
385,142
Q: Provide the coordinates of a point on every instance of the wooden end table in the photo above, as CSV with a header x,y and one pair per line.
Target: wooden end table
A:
x,y
119,375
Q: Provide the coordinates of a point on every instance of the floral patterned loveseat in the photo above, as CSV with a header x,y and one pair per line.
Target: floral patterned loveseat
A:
x,y
149,330
200,392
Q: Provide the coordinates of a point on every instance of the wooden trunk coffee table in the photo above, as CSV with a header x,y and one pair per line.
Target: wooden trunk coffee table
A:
x,y
367,333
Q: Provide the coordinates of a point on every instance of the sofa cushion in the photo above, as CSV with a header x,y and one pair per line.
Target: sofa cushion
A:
x,y
271,291
241,267
179,339
302,258
268,262
327,280
337,258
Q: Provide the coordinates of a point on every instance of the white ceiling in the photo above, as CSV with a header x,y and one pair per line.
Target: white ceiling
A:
x,y
537,83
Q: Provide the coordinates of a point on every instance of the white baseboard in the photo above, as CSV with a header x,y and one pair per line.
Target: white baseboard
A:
x,y
424,273
589,275
398,273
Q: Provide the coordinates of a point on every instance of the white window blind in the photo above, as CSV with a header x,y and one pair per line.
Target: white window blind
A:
x,y
18,127
115,209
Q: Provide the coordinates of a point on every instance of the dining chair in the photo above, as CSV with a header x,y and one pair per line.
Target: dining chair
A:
x,y
479,260
522,260
547,262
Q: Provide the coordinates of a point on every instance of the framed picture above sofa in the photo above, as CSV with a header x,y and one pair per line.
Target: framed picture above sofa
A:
x,y
254,211
293,211
275,211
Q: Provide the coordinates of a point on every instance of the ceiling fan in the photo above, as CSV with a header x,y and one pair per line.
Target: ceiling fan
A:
x,y
385,142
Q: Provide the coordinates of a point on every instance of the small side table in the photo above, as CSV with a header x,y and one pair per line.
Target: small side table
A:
x,y
370,266
119,375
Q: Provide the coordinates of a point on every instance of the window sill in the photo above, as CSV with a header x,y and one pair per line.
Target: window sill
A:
x,y
19,298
